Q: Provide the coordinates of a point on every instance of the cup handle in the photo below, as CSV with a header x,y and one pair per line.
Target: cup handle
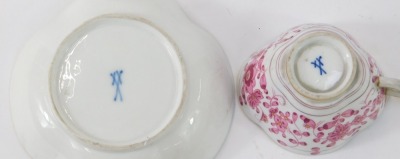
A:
x,y
392,85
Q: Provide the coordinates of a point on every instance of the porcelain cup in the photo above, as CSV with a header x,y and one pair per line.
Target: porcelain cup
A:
x,y
313,89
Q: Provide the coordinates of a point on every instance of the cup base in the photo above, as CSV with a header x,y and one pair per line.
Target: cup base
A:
x,y
321,65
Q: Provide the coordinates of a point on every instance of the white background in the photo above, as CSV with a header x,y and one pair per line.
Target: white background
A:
x,y
241,27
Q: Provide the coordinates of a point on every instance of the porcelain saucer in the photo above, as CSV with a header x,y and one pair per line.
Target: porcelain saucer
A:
x,y
126,79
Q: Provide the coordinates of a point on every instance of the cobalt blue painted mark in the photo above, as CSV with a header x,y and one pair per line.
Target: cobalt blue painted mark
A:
x,y
117,82
318,64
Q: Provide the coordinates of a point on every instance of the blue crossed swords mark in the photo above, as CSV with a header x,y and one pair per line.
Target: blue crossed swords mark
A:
x,y
117,82
318,64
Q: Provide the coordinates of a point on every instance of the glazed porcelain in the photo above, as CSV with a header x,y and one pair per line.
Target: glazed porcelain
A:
x,y
122,80
313,89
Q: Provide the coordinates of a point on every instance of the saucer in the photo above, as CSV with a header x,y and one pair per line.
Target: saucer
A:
x,y
93,78
122,80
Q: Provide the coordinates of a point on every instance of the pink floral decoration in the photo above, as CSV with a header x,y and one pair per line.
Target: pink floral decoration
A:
x,y
295,128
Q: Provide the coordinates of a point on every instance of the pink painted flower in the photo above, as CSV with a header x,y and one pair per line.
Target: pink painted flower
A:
x,y
330,124
263,83
348,113
286,117
273,112
260,62
315,151
308,123
264,117
319,136
341,130
280,125
374,115
359,119
254,98
249,76
273,101
294,116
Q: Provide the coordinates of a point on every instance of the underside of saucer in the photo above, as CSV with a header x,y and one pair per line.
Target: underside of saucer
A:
x,y
117,82
122,80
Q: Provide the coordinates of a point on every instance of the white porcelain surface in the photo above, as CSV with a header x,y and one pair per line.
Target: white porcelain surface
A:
x,y
126,79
